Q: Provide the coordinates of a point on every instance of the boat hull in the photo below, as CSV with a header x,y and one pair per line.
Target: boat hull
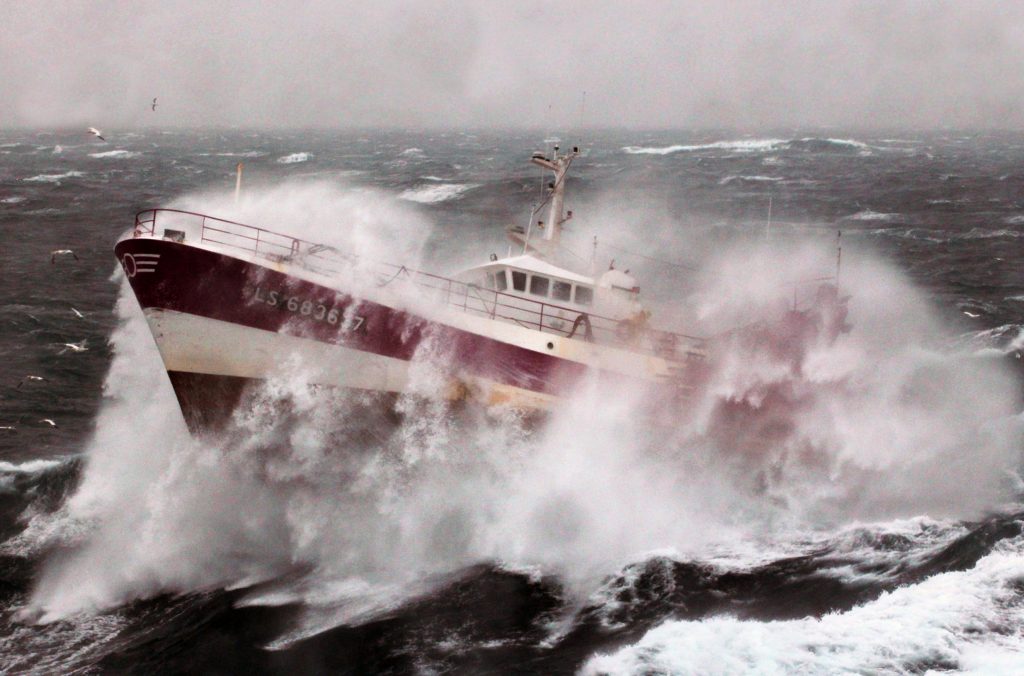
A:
x,y
224,324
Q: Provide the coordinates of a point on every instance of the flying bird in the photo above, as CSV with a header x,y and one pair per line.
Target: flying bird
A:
x,y
61,252
74,347
97,133
34,379
77,312
154,104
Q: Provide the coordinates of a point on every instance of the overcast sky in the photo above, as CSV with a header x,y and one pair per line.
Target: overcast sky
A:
x,y
644,63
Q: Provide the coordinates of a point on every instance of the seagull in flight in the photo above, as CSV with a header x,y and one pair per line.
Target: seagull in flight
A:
x,y
74,347
154,104
34,379
96,132
61,252
77,312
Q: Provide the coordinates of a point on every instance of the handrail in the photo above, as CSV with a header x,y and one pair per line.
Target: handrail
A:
x,y
547,317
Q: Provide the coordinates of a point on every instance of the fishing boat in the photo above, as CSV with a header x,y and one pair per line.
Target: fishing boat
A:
x,y
232,306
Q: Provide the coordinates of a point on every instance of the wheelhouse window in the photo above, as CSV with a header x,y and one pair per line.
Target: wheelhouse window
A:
x,y
519,281
584,295
561,290
539,285
500,280
490,281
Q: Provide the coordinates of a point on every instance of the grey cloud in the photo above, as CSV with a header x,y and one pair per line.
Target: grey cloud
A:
x,y
642,64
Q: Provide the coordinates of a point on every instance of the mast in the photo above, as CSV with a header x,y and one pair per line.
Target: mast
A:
x,y
559,166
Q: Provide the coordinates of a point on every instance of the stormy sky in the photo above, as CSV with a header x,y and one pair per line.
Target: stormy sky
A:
x,y
646,63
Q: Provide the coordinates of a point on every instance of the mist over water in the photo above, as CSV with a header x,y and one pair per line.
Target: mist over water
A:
x,y
860,460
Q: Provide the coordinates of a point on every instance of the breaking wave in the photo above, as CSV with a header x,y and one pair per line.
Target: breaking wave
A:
x,y
53,178
295,158
869,215
752,179
432,194
115,154
809,144
755,145
929,626
29,466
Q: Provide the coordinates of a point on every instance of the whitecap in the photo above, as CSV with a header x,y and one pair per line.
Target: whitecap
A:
x,y
57,150
412,151
294,158
745,145
843,142
118,154
53,178
432,194
753,179
12,200
431,178
28,467
869,215
935,622
1015,220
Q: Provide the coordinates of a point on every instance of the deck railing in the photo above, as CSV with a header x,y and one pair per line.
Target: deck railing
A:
x,y
470,298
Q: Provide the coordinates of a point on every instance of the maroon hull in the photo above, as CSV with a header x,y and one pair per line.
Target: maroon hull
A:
x,y
172,276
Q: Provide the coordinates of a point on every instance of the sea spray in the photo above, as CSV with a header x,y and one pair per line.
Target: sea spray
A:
x,y
365,506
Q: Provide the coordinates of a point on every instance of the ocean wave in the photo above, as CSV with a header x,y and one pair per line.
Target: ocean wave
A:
x,y
751,179
431,178
119,154
809,143
53,178
432,194
28,467
57,150
869,215
1014,220
12,200
248,153
295,158
933,624
997,341
749,146
412,151
985,233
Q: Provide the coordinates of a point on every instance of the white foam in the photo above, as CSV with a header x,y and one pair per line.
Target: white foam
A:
x,y
869,215
754,179
431,194
746,145
115,154
53,178
29,467
843,142
294,158
12,200
959,620
412,151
